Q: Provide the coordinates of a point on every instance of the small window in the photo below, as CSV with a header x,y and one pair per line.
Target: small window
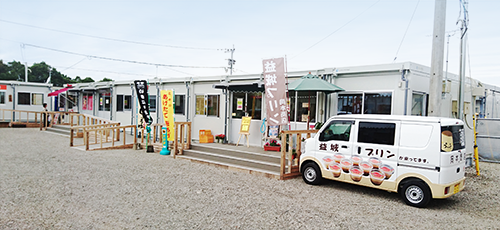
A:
x,y
213,105
207,105
37,99
378,103
2,97
127,103
23,98
336,131
377,133
119,102
349,103
152,103
200,105
105,101
179,104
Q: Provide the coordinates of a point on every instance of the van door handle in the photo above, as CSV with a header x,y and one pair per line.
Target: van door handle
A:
x,y
359,150
344,146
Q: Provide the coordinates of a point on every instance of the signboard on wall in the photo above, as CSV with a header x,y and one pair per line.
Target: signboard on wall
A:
x,y
167,102
276,100
3,87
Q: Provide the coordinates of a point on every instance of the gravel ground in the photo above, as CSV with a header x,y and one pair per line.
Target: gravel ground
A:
x,y
46,185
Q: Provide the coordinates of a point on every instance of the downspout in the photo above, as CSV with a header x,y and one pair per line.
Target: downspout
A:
x,y
405,79
132,102
187,99
226,116
13,101
111,100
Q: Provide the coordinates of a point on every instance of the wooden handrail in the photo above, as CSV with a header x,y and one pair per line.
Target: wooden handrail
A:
x,y
180,143
37,116
105,132
286,154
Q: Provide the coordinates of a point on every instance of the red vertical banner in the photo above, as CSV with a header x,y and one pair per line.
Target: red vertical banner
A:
x,y
276,101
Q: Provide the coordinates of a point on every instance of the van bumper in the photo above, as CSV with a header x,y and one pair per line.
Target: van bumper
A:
x,y
439,190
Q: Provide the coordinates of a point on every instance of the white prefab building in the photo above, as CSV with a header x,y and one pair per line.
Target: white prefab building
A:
x,y
25,96
218,103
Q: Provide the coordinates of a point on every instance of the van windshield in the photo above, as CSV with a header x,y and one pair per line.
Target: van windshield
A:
x,y
452,138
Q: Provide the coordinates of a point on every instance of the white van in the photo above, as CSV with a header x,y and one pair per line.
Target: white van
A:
x,y
419,157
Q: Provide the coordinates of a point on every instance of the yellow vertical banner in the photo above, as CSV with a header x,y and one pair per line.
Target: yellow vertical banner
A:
x,y
167,102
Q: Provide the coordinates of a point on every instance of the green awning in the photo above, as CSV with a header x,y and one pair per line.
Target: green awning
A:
x,y
313,83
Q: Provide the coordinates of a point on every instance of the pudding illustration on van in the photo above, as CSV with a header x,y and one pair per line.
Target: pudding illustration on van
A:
x,y
421,158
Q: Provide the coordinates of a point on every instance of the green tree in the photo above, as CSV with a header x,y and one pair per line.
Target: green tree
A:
x,y
106,79
13,71
39,72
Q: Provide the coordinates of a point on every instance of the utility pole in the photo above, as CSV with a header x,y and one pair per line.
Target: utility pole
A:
x,y
226,93
25,71
436,74
463,41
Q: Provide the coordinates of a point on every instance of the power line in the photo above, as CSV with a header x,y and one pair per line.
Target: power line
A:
x,y
121,60
406,31
111,39
336,30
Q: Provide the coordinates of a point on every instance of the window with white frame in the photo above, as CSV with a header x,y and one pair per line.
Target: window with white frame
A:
x,y
119,103
306,106
23,98
152,103
36,99
105,100
2,97
179,104
378,103
365,103
250,103
208,105
418,104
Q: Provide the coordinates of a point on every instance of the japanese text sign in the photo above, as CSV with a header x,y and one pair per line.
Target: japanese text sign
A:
x,y
167,104
276,100
141,87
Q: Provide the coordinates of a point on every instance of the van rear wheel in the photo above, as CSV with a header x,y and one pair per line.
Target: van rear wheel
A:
x,y
311,174
415,193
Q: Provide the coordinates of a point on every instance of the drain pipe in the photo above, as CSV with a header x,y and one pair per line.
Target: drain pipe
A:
x,y
405,79
132,100
13,101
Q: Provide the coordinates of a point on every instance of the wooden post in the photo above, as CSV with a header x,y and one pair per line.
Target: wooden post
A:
x,y
86,135
71,137
188,135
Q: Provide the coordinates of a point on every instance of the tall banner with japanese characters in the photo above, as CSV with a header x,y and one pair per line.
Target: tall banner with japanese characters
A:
x,y
167,104
276,100
141,87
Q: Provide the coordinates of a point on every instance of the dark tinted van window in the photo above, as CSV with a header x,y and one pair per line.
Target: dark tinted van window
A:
x,y
452,138
377,133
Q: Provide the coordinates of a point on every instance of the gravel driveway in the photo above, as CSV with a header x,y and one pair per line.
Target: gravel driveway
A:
x,y
46,184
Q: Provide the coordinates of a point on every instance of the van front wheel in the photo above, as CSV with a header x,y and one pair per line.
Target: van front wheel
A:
x,y
311,174
415,193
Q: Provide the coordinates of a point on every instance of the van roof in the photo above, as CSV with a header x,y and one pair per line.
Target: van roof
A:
x,y
443,120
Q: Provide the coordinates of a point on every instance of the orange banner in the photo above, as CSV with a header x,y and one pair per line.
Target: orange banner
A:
x,y
167,103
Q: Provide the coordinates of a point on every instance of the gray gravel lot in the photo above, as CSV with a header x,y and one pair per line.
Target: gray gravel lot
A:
x,y
44,184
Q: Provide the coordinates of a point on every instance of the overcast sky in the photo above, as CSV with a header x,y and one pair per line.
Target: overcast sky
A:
x,y
132,39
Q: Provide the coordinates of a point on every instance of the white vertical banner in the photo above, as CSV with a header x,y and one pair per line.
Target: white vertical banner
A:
x,y
276,101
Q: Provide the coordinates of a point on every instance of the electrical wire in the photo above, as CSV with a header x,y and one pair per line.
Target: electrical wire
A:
x,y
406,31
336,30
121,60
111,39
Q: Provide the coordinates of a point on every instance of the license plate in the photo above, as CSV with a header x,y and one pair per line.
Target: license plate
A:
x,y
456,188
